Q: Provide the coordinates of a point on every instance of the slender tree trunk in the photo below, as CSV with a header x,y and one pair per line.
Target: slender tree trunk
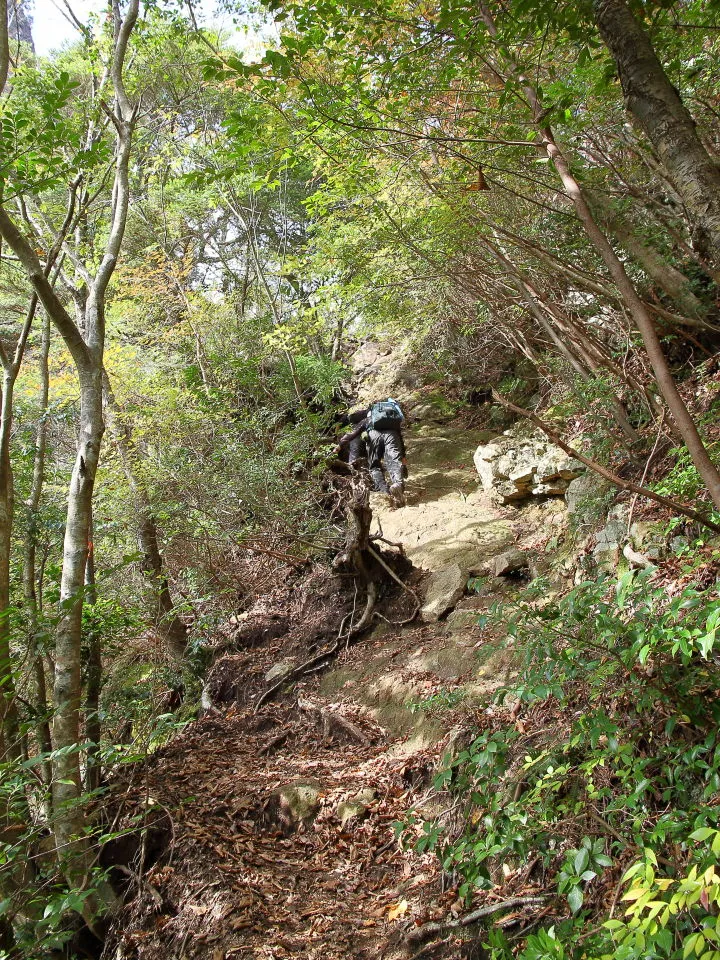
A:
x,y
668,388
8,706
29,565
67,785
4,45
656,105
86,348
584,365
675,284
93,677
10,370
170,627
686,426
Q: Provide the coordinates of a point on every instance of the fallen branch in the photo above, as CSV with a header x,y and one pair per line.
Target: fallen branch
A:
x,y
428,930
637,559
603,471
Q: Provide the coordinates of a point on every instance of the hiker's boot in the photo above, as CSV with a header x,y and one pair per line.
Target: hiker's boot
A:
x,y
397,494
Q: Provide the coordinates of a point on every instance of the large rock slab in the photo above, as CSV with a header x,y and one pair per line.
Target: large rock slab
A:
x,y
510,562
517,467
444,589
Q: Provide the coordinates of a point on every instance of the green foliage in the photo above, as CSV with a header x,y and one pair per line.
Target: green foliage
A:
x,y
637,766
438,702
673,917
682,480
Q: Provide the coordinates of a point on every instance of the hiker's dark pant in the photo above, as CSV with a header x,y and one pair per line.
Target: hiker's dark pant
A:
x,y
357,453
385,449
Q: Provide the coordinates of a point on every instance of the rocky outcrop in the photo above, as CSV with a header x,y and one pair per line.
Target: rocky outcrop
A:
x,y
510,562
586,498
444,589
518,467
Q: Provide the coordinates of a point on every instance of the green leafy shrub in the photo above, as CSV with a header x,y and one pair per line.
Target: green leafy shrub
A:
x,y
620,677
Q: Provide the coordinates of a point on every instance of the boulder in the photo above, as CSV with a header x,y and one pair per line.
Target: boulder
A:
x,y
444,589
295,803
584,493
609,539
357,806
509,562
280,670
649,539
518,467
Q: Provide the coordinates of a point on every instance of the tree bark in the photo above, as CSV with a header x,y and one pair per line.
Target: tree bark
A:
x,y
93,677
656,105
86,348
10,371
4,45
29,564
664,274
581,361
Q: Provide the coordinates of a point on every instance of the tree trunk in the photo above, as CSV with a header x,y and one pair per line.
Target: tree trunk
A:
x,y
686,426
10,370
93,677
4,45
656,105
670,280
67,784
584,365
8,706
29,564
170,627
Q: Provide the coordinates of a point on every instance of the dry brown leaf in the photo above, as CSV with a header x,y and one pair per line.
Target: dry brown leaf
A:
x,y
398,910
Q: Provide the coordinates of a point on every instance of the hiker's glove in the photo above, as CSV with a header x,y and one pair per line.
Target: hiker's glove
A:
x,y
404,470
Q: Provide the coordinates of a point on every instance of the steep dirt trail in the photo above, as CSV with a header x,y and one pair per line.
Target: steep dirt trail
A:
x,y
237,872
447,518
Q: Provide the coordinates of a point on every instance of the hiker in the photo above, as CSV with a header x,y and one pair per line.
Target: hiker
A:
x,y
355,439
381,425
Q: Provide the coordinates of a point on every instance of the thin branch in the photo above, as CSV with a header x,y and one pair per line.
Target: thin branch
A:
x,y
603,471
429,929
4,45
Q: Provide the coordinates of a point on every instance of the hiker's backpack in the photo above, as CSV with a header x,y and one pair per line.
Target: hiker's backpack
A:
x,y
385,415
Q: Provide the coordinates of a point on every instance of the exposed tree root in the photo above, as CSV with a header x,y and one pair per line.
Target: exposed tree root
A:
x,y
428,930
357,554
328,719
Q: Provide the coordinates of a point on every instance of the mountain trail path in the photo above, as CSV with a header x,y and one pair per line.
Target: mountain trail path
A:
x,y
272,833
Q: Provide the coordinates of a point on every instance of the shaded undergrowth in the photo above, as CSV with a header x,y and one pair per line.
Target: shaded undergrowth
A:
x,y
594,781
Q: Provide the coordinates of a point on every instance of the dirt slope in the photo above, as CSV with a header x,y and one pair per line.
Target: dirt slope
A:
x,y
235,873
